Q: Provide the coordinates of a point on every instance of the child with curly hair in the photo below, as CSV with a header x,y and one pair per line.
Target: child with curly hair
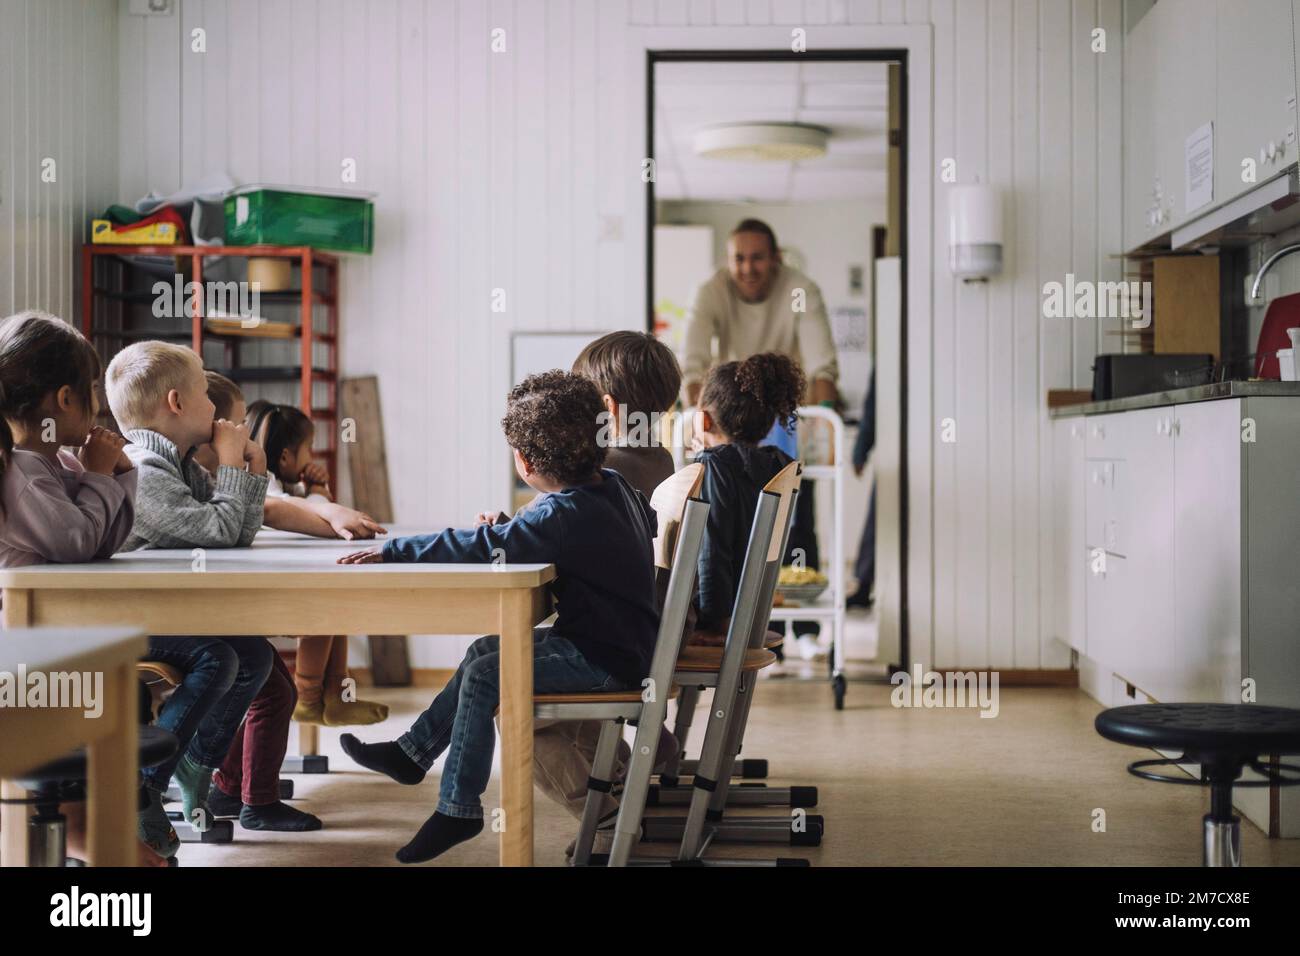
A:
x,y
737,407
598,531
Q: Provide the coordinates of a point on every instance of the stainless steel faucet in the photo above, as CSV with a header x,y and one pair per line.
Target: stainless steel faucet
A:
x,y
1268,264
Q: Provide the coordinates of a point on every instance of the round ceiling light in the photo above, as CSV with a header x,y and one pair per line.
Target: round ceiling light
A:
x,y
762,142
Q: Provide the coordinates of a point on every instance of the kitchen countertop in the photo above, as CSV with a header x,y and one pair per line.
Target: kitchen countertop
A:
x,y
1182,396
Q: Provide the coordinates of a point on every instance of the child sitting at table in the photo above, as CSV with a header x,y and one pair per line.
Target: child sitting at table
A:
x,y
598,532
285,434
56,506
317,515
638,379
247,783
321,664
158,394
736,409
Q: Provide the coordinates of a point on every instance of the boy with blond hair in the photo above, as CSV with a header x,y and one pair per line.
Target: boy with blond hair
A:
x,y
159,396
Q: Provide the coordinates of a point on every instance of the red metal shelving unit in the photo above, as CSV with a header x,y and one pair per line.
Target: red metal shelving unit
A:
x,y
306,372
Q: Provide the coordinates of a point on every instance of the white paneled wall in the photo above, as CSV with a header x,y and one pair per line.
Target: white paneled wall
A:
x,y
509,171
58,101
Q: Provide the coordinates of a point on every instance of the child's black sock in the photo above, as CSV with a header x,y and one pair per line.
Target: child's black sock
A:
x,y
277,816
222,804
386,758
438,835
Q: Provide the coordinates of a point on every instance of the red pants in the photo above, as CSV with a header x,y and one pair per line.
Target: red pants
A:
x,y
252,765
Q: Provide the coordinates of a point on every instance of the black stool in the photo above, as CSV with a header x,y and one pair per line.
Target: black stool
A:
x,y
63,781
1223,739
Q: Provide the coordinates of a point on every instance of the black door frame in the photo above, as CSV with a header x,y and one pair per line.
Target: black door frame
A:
x,y
898,56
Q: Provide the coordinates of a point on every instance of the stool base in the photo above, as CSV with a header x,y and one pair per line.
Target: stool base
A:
x,y
1222,841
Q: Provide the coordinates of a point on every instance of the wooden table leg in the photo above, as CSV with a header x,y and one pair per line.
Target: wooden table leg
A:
x,y
308,740
112,778
13,826
516,728
13,818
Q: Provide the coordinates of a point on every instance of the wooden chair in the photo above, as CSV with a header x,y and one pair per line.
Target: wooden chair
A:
x,y
682,518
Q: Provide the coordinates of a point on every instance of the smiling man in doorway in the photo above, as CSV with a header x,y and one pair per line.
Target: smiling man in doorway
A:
x,y
757,303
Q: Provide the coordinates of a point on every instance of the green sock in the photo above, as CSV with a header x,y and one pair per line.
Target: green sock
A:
x,y
194,781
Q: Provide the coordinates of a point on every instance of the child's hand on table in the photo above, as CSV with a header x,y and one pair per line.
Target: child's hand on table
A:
x,y
349,523
102,451
491,517
229,442
369,556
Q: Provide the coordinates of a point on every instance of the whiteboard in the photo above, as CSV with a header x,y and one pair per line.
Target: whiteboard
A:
x,y
533,352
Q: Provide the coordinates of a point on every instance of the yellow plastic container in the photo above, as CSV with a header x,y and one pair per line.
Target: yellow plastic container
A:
x,y
155,234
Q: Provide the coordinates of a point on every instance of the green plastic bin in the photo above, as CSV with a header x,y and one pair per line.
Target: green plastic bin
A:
x,y
338,222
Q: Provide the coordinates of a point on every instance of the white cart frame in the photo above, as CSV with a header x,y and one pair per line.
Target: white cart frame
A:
x,y
828,609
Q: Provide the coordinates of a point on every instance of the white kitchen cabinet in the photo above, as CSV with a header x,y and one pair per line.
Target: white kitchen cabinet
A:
x,y
1130,518
1071,552
1139,133
1144,535
1207,541
1185,97
1106,583
1196,509
1256,111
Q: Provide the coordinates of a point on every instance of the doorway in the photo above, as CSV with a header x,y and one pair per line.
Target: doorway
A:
x,y
814,145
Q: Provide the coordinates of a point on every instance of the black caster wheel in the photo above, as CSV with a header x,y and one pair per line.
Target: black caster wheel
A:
x,y
838,685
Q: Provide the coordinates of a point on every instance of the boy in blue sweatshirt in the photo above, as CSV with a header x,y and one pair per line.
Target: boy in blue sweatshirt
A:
x,y
598,531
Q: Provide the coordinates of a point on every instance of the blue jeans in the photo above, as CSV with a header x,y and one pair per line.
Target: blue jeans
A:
x,y
222,676
460,718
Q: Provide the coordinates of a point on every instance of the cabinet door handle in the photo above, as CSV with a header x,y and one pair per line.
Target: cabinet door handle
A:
x,y
1177,426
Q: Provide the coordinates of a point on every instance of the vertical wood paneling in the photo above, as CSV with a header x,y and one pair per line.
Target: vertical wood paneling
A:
x,y
671,13
942,647
58,93
642,12
503,108
971,336
1110,169
816,12
1027,312
1000,349
474,443
729,12
864,11
1083,177
530,199
587,129
617,305
700,13
788,12
559,164
1056,259
407,341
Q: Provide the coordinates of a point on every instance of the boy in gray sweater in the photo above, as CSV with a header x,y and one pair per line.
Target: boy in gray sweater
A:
x,y
159,397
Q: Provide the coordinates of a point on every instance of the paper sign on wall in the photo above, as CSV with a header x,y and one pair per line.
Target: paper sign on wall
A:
x,y
1198,165
849,328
